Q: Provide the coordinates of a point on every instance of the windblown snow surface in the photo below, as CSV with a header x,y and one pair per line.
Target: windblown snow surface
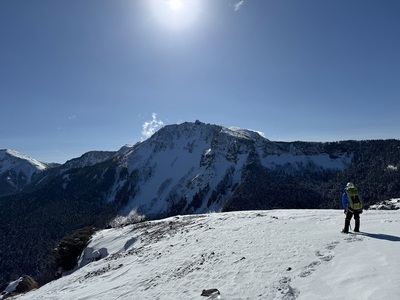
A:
x,y
278,254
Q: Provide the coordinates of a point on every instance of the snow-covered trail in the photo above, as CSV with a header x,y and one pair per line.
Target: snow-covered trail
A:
x,y
279,254
365,265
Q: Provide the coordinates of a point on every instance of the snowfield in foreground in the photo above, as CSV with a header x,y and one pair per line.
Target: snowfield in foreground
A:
x,y
278,254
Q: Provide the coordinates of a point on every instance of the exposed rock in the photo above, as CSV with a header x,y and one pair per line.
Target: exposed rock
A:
x,y
22,285
210,292
392,204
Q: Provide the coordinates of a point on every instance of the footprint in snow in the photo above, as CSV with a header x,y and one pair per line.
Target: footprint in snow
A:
x,y
332,245
286,291
353,238
309,269
323,257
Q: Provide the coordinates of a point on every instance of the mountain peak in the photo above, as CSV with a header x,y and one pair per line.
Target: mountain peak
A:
x,y
17,156
17,170
88,159
244,133
201,129
187,126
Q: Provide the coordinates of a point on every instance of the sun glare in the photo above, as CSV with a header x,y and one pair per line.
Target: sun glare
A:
x,y
175,15
175,5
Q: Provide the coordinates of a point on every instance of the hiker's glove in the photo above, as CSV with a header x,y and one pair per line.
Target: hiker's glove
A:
x,y
361,211
345,211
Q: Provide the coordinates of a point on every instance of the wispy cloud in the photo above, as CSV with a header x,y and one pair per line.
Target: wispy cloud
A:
x,y
238,5
150,127
72,117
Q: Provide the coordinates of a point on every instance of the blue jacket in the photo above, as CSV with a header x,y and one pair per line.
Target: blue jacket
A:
x,y
345,200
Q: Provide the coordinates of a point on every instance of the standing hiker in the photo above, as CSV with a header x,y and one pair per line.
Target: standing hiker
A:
x,y
352,206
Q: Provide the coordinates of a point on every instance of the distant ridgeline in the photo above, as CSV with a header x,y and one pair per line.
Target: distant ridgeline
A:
x,y
182,169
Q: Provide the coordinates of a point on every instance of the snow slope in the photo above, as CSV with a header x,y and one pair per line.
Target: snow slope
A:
x,y
197,168
88,159
17,170
11,159
14,157
278,254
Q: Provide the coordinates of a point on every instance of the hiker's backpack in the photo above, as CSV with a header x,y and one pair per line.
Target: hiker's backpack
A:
x,y
354,199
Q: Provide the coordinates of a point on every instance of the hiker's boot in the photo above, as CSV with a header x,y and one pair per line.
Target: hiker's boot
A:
x,y
346,226
357,227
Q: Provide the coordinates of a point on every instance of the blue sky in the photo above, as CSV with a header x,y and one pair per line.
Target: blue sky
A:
x,y
89,75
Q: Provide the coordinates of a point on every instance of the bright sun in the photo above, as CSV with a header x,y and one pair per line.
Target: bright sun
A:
x,y
176,5
175,14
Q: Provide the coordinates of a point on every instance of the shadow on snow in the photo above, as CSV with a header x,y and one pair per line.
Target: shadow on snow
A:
x,y
381,236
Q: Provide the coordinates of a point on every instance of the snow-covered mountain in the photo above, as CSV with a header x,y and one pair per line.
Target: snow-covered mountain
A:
x,y
197,167
193,168
88,159
277,254
190,168
17,170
